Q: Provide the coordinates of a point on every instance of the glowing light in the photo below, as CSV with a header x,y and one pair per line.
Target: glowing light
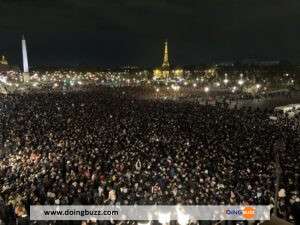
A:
x,y
234,88
258,86
183,219
178,72
194,85
175,87
206,89
164,218
35,76
217,84
241,82
3,79
157,90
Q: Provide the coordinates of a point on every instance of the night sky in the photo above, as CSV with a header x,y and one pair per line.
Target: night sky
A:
x,y
132,32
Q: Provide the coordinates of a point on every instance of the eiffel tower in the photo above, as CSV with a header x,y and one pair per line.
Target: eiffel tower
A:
x,y
166,63
165,71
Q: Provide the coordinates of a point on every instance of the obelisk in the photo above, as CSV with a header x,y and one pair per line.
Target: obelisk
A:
x,y
26,76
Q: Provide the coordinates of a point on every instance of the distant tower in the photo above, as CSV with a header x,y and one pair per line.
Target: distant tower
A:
x,y
3,61
166,63
26,76
25,56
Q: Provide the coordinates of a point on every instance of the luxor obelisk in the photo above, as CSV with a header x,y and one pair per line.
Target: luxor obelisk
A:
x,y
26,76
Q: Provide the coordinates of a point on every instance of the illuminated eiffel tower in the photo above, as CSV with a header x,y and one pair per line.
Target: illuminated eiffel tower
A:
x,y
165,71
166,63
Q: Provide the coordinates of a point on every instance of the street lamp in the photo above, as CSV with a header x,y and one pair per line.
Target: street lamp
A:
x,y
226,79
241,80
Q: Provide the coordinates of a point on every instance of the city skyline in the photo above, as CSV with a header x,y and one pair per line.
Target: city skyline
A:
x,y
161,57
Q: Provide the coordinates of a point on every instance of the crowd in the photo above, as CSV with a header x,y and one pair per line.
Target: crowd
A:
x,y
105,147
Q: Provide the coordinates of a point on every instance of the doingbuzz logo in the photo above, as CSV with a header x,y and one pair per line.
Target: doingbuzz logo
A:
x,y
247,213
